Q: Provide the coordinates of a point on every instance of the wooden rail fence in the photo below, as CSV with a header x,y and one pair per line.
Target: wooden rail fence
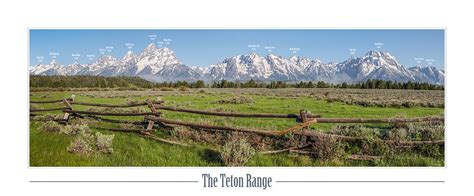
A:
x,y
153,118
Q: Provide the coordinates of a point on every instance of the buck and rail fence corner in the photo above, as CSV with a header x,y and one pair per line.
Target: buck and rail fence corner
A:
x,y
153,120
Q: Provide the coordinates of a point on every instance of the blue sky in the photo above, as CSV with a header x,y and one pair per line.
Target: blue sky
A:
x,y
209,46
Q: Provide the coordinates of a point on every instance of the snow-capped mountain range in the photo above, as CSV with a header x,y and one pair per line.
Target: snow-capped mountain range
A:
x,y
161,64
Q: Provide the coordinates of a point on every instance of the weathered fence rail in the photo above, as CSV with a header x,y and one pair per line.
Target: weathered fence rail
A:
x,y
47,110
110,113
379,120
232,114
51,101
115,105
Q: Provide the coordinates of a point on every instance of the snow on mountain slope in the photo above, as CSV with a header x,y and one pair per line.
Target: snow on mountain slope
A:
x,y
373,65
428,74
46,69
317,71
253,66
242,67
161,64
155,59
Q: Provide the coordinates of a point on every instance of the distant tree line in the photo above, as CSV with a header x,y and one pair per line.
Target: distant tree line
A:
x,y
384,84
88,82
137,82
85,81
368,84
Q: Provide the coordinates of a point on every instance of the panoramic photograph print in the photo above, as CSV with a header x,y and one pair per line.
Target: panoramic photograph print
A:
x,y
236,97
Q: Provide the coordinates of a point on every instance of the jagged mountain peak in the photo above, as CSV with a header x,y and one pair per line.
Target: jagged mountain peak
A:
x,y
380,57
152,50
53,62
106,57
75,63
252,55
298,59
378,53
294,58
374,53
271,55
151,47
129,56
129,53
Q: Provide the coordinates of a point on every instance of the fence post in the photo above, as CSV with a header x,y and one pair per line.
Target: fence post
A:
x,y
68,105
304,117
153,109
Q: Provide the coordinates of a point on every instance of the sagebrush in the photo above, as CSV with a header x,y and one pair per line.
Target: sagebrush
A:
x,y
236,152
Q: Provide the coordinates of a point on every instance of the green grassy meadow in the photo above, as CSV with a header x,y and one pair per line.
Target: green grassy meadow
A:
x,y
50,149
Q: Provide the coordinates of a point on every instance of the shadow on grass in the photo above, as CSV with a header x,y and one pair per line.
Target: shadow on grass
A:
x,y
211,156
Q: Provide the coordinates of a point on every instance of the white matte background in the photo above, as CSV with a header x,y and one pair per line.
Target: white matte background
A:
x,y
17,16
